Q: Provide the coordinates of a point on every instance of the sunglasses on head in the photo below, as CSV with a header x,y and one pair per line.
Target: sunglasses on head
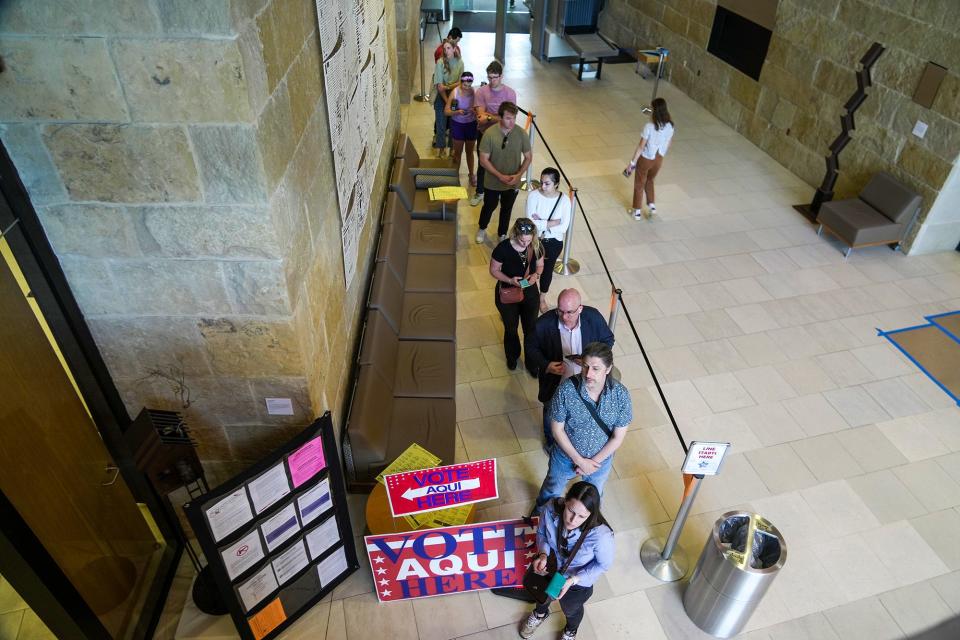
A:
x,y
525,227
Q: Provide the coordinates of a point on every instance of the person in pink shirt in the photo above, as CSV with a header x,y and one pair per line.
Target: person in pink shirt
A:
x,y
487,103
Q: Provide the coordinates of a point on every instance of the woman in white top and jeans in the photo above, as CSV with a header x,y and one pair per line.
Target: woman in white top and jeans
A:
x,y
654,142
550,210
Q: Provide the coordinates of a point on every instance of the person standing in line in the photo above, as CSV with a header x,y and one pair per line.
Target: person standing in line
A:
x,y
517,262
648,158
589,416
446,76
463,122
505,153
454,36
550,211
554,346
489,99
563,522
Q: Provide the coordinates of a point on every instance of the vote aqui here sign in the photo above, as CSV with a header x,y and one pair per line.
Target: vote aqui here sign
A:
x,y
423,490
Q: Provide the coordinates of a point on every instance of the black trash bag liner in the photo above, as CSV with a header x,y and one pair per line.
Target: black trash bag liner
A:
x,y
766,547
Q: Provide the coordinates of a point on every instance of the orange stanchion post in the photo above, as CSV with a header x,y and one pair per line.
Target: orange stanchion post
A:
x,y
567,266
529,183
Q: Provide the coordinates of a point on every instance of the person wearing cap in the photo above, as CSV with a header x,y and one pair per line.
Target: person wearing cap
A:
x,y
517,262
463,122
454,35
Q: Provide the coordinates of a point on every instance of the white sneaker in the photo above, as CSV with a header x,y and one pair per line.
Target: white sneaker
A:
x,y
531,624
476,199
637,214
481,236
653,208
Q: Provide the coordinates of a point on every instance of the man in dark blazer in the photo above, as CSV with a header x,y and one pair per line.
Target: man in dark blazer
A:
x,y
560,333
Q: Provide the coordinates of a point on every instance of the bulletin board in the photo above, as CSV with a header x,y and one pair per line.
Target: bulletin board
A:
x,y
277,537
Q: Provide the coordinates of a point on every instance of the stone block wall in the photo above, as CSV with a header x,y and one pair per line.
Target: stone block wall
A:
x,y
177,153
408,49
793,112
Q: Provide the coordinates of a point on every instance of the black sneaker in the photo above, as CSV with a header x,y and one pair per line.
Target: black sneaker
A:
x,y
512,365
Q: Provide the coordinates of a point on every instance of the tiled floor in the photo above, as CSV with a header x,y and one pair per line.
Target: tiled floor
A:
x,y
763,335
17,619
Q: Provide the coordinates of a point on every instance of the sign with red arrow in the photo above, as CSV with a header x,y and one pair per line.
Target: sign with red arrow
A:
x,y
424,490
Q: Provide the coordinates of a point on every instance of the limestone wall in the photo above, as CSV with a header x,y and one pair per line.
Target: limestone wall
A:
x,y
177,153
793,112
408,49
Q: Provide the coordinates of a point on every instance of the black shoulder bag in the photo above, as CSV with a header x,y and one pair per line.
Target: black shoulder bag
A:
x,y
538,586
593,410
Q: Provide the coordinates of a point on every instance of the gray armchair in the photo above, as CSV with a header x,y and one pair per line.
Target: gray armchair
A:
x,y
881,214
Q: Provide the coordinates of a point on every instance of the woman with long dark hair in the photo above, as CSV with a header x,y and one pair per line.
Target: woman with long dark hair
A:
x,y
517,265
563,522
550,210
648,158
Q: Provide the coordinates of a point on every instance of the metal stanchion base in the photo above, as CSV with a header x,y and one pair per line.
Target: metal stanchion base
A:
x,y
663,570
571,269
529,185
422,98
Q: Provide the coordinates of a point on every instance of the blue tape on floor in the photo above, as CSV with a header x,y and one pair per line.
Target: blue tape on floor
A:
x,y
933,320
887,334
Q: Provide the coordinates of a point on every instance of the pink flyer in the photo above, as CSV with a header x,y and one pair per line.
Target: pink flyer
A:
x,y
306,462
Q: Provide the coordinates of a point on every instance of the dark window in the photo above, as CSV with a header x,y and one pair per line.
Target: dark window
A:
x,y
739,42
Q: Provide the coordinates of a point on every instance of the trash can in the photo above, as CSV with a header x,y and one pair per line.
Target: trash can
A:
x,y
739,562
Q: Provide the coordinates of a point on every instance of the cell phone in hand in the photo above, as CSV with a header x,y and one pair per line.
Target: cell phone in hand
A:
x,y
524,283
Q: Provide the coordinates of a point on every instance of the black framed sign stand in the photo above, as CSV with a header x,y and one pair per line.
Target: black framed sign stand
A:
x,y
277,537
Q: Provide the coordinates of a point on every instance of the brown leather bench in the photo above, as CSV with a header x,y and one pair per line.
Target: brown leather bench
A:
x,y
423,236
413,316
427,172
430,273
418,202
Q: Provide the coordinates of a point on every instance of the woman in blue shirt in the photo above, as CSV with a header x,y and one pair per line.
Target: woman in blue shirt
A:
x,y
562,522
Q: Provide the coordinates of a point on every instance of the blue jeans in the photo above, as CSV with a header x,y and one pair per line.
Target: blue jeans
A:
x,y
560,472
440,137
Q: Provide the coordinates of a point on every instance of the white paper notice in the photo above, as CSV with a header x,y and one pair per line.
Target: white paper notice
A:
x,y
258,587
315,502
268,487
229,514
332,567
279,406
291,561
323,537
243,554
280,527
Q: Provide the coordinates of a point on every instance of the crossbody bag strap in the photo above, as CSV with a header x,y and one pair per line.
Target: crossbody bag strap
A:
x,y
552,211
576,546
591,408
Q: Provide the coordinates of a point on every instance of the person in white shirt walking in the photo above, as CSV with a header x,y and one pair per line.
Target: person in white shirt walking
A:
x,y
648,158
550,210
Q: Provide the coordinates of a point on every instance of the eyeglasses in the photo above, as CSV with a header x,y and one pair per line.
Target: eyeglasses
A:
x,y
571,312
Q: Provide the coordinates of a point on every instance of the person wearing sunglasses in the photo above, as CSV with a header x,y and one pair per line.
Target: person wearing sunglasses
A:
x,y
517,264
463,122
550,210
554,346
489,98
505,154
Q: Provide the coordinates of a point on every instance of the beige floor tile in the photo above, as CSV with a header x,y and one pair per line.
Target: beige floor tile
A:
x,y
771,423
883,360
864,619
752,318
805,376
941,530
844,369
781,468
528,428
796,343
886,496
758,349
466,403
896,398
765,384
914,607
677,363
930,484
10,623
856,567
814,414
521,475
856,406
10,600
366,618
723,392
948,588
637,455
870,448
904,553
471,366
32,628
826,458
667,602
499,395
631,502
730,427
626,616
738,483
685,401
798,523
675,330
478,331
804,584
913,438
839,505
718,356
454,615
489,437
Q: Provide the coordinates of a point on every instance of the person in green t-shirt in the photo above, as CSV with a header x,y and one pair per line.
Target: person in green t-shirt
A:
x,y
505,154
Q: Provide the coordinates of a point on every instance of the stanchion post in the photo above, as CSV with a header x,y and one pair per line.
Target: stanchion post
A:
x,y
614,308
528,183
662,559
567,266
422,96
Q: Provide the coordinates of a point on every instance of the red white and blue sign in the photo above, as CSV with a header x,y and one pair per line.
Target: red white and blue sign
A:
x,y
424,490
436,562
